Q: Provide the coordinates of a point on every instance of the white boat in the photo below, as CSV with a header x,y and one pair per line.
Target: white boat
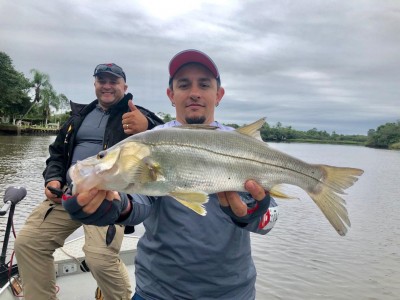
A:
x,y
73,283
72,280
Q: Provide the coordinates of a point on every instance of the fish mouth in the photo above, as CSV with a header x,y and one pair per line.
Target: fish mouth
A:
x,y
85,168
83,176
93,171
80,171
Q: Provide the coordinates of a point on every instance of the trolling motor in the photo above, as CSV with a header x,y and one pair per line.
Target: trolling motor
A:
x,y
12,196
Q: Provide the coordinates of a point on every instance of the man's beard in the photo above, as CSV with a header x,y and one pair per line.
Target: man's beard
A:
x,y
195,120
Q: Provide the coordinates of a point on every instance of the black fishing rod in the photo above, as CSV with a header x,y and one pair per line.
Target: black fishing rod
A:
x,y
12,196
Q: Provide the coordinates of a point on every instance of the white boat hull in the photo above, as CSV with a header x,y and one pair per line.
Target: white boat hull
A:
x,y
73,282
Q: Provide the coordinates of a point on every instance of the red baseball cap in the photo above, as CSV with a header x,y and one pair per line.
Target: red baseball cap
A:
x,y
192,56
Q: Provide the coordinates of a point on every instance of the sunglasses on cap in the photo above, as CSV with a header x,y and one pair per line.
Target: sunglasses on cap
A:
x,y
110,68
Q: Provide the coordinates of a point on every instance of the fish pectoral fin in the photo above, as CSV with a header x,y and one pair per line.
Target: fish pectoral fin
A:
x,y
194,201
253,129
147,170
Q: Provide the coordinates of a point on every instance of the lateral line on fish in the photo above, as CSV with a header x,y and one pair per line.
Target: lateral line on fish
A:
x,y
340,191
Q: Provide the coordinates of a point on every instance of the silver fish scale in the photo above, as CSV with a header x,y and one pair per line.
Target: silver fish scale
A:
x,y
213,161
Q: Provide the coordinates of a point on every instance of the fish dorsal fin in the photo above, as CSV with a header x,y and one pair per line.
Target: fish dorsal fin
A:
x,y
194,201
197,126
252,129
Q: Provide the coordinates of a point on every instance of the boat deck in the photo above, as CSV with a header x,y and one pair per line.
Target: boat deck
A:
x,y
73,283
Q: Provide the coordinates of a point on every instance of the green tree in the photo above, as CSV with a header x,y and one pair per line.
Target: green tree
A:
x,y
232,125
45,96
39,82
384,136
48,98
165,117
14,88
63,102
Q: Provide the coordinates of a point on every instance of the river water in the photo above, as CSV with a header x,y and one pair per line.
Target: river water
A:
x,y
302,257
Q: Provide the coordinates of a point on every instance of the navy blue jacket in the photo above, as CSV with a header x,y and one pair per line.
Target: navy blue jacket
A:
x,y
61,149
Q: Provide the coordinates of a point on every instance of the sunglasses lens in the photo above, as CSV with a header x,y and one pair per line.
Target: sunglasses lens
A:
x,y
109,67
112,68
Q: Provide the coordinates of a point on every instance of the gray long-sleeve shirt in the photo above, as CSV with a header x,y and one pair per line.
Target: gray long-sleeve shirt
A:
x,y
183,255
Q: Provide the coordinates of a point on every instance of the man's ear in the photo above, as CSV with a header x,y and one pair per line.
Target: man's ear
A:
x,y
170,94
220,94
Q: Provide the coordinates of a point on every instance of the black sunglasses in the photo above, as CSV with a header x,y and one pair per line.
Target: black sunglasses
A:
x,y
112,68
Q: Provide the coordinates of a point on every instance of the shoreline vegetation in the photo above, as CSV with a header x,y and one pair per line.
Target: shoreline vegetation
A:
x,y
9,129
386,136
27,108
379,138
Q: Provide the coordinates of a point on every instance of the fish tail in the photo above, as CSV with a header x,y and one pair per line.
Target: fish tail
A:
x,y
325,194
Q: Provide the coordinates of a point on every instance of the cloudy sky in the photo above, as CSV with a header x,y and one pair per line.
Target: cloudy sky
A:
x,y
331,65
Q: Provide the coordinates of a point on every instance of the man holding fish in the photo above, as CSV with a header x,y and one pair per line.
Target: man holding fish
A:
x,y
198,250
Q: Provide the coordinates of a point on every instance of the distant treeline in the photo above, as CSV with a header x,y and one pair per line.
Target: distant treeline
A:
x,y
279,133
385,136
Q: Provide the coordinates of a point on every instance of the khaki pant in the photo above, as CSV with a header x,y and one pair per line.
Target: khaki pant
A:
x,y
45,230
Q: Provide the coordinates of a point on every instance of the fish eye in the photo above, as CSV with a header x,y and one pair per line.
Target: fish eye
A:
x,y
101,154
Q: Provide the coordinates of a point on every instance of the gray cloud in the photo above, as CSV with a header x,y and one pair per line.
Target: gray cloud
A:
x,y
332,65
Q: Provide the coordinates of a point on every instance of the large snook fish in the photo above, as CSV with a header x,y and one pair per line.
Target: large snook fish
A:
x,y
192,161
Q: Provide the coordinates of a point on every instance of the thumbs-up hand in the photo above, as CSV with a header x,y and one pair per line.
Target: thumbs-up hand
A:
x,y
134,121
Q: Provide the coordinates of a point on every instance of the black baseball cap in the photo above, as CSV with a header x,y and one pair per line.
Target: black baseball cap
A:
x,y
110,68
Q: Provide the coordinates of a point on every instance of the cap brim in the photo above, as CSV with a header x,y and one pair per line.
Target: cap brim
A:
x,y
110,72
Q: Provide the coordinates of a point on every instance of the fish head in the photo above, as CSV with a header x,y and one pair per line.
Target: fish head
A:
x,y
110,169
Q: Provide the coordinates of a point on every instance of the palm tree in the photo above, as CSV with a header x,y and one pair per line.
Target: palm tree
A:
x,y
63,100
49,98
40,81
45,95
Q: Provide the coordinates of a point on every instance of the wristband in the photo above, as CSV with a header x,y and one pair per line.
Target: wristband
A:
x,y
106,214
253,213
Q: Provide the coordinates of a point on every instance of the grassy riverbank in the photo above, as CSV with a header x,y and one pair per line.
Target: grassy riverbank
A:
x,y
395,146
313,141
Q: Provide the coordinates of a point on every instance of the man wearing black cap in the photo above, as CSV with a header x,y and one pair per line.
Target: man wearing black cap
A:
x,y
90,129
182,255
